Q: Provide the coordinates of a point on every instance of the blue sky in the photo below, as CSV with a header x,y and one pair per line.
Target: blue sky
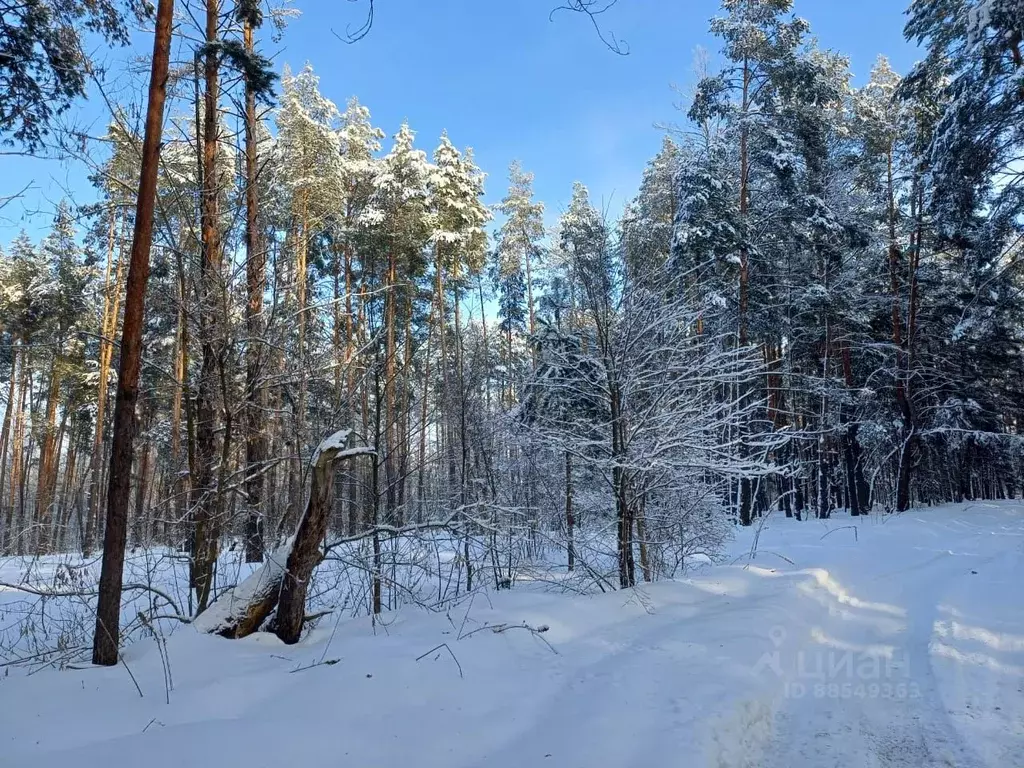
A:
x,y
502,78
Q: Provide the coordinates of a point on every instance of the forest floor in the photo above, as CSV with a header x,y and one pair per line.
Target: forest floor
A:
x,y
881,641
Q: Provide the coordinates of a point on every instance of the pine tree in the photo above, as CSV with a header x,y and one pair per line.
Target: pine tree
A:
x,y
115,180
399,222
359,142
70,277
763,201
27,305
108,608
43,64
647,223
885,128
517,251
758,44
309,155
255,283
975,54
458,216
457,223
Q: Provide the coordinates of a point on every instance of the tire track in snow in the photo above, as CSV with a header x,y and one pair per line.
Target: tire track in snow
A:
x,y
911,727
642,699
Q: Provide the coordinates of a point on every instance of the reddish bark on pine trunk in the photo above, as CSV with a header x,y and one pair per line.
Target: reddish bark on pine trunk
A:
x,y
108,609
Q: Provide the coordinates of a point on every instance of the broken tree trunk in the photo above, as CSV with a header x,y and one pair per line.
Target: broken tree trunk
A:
x,y
282,579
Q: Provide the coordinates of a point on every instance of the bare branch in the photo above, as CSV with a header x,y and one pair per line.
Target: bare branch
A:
x,y
592,9
354,36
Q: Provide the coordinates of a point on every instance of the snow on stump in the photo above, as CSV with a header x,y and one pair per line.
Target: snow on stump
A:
x,y
243,609
282,580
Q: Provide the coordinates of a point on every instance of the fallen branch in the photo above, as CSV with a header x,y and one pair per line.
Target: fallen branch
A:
x,y
497,629
395,531
93,592
856,537
438,648
752,555
327,663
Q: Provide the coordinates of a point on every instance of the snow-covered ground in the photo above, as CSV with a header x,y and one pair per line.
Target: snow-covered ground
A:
x,y
900,643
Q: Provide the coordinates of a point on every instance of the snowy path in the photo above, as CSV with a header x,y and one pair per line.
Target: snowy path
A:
x,y
906,709
902,648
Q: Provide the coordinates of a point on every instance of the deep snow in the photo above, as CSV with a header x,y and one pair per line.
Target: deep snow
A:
x,y
898,644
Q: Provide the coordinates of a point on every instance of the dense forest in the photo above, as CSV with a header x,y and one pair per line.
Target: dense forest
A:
x,y
812,305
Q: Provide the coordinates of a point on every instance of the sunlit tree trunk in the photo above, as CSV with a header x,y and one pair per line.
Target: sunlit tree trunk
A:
x,y
205,549
68,500
7,510
351,342
390,385
16,499
421,467
108,328
301,278
47,472
108,609
403,409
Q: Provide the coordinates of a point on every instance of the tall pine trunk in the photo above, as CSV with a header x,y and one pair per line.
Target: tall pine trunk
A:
x,y
255,270
14,516
48,463
745,489
205,547
108,608
7,511
390,384
111,309
904,458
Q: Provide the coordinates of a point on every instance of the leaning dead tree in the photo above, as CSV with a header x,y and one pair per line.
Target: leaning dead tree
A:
x,y
282,580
